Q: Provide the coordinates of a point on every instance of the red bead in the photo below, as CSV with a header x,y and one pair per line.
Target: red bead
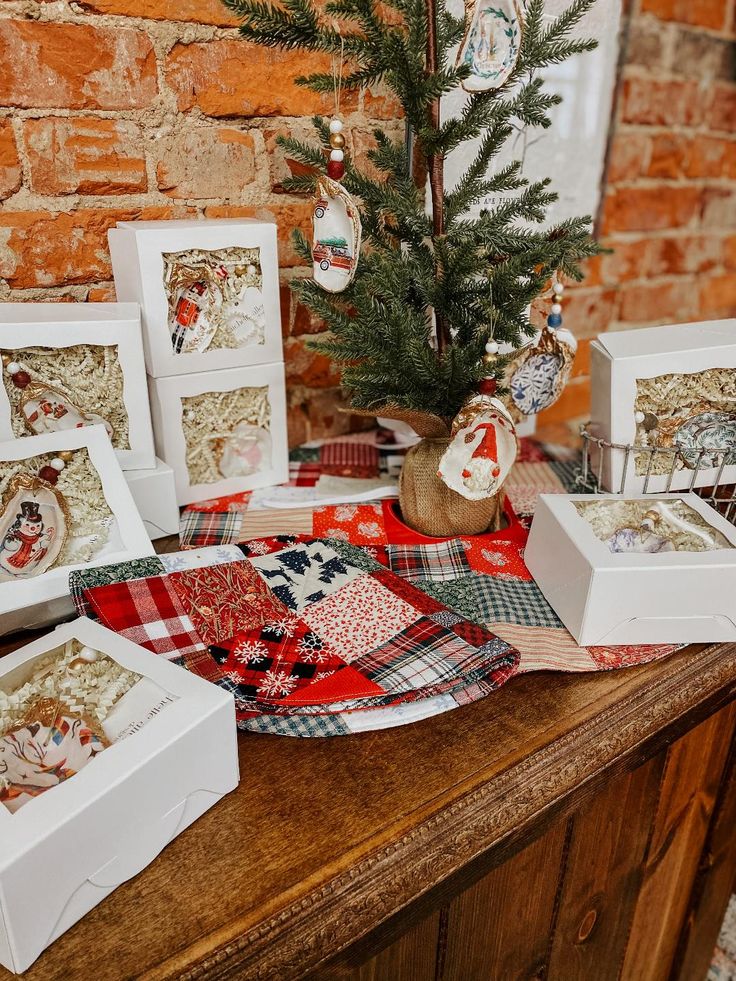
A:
x,y
335,169
49,474
21,379
487,386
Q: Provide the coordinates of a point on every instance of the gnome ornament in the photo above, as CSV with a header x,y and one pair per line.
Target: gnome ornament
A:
x,y
482,451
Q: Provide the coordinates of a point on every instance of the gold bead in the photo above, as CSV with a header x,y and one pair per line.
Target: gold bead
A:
x,y
7,358
66,455
337,141
489,358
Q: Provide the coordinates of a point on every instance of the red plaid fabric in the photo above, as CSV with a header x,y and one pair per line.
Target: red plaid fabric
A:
x,y
440,562
420,600
349,459
426,653
198,528
224,600
150,613
304,474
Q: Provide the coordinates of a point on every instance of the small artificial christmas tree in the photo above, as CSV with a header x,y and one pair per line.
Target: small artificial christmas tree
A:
x,y
433,287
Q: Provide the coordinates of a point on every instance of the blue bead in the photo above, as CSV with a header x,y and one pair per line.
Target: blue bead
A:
x,y
554,320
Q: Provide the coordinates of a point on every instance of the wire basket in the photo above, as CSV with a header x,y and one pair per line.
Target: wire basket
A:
x,y
719,495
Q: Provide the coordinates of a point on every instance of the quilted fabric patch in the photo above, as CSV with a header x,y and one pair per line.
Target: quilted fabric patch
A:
x,y
361,524
209,528
148,612
82,579
223,600
440,562
305,574
490,600
363,615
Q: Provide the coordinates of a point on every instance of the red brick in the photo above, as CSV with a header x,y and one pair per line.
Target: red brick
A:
x,y
10,171
662,102
729,252
85,156
643,209
305,322
189,11
75,66
722,112
588,312
718,296
669,302
209,162
41,248
236,78
102,294
281,166
288,216
674,256
704,13
670,156
380,103
581,364
306,367
628,261
712,157
719,207
629,155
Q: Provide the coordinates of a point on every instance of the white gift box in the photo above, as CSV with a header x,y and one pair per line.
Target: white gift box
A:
x,y
608,598
43,599
137,250
167,408
618,360
61,325
154,493
67,849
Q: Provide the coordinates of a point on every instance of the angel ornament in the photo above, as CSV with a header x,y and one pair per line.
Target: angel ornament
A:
x,y
482,451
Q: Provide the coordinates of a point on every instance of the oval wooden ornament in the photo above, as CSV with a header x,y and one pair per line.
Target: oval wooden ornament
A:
x,y
490,47
483,449
538,372
46,409
33,528
336,236
192,326
246,451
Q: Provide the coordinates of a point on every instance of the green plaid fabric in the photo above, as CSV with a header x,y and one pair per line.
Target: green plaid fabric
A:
x,y
302,726
487,599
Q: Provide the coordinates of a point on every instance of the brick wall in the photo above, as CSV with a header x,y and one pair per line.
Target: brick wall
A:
x,y
114,109
669,199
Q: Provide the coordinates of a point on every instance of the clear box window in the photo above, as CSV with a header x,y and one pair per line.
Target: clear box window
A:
x,y
650,526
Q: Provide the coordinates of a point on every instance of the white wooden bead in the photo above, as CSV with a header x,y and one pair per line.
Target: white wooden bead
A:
x,y
492,347
335,126
556,308
337,155
13,367
57,463
639,417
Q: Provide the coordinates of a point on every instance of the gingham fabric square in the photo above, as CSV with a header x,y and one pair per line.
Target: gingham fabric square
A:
x,y
209,528
425,653
491,600
148,612
305,574
80,580
224,600
363,615
438,563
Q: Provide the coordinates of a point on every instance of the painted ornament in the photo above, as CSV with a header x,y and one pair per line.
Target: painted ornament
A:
x,y
482,451
33,527
708,429
538,373
192,329
46,409
336,236
490,47
246,451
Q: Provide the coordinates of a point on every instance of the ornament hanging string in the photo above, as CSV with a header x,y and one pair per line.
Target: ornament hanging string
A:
x,y
337,73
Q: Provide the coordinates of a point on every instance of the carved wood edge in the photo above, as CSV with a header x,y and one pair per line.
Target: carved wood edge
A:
x,y
328,919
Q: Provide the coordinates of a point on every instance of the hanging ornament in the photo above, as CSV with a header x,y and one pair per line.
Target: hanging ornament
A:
x,y
336,224
538,372
46,409
34,520
490,47
482,451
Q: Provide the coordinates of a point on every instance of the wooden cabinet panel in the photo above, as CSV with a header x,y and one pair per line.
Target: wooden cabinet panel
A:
x,y
500,927
687,799
602,876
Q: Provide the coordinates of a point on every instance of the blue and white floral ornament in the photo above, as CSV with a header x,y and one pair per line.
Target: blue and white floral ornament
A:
x,y
538,372
490,48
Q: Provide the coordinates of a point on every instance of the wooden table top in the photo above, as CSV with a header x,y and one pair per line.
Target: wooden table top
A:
x,y
326,839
